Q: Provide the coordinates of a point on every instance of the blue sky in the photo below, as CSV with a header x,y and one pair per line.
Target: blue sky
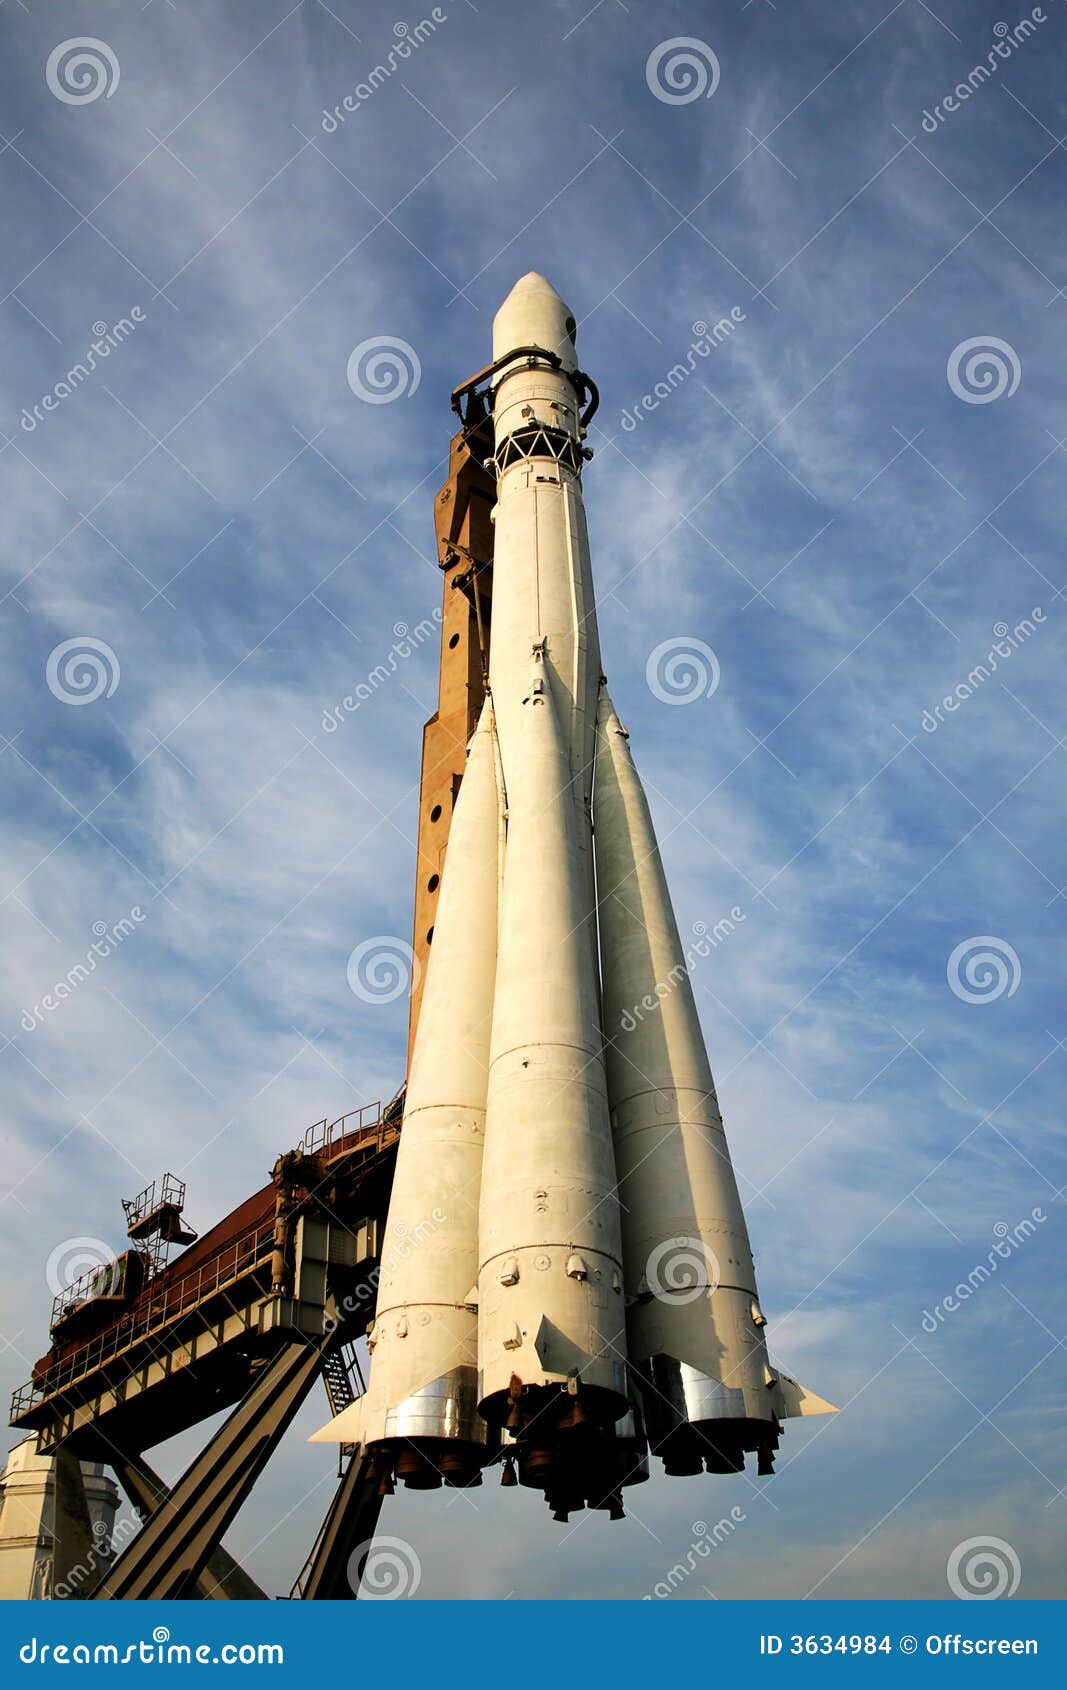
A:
x,y
830,503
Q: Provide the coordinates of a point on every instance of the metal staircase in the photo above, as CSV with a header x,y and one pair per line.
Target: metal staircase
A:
x,y
343,1377
333,1570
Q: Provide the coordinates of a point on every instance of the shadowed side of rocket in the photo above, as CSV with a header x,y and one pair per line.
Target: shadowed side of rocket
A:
x,y
566,1260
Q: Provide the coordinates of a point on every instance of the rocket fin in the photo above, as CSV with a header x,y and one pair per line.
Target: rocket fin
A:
x,y
344,1428
797,1402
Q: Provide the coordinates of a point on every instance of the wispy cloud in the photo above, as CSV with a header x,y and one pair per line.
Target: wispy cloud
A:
x,y
816,505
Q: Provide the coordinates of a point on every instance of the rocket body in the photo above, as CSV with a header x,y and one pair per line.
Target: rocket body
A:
x,y
566,1260
420,1408
551,1333
695,1325
542,579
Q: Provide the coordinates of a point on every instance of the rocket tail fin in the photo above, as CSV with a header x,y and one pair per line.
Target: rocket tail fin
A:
x,y
796,1402
344,1428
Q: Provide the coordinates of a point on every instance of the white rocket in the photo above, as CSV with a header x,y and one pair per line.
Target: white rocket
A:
x,y
565,1254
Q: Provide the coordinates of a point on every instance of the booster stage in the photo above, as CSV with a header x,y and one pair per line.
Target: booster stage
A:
x,y
566,1278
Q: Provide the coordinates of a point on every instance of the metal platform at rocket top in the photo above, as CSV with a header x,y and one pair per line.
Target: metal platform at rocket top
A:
x,y
541,1236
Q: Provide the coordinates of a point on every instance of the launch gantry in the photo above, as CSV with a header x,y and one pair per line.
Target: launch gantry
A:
x,y
275,1296
586,1293
247,1318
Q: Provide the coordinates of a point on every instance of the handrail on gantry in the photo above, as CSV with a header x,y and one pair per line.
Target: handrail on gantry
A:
x,y
163,1303
325,1135
166,1299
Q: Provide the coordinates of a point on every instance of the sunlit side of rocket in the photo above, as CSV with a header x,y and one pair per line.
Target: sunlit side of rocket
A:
x,y
541,1315
695,1325
420,1408
551,1310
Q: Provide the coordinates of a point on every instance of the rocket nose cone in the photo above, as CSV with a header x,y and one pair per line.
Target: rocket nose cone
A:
x,y
533,314
533,281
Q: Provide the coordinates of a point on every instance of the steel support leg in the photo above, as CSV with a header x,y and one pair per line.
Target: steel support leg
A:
x,y
173,1546
349,1525
222,1579
75,1555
